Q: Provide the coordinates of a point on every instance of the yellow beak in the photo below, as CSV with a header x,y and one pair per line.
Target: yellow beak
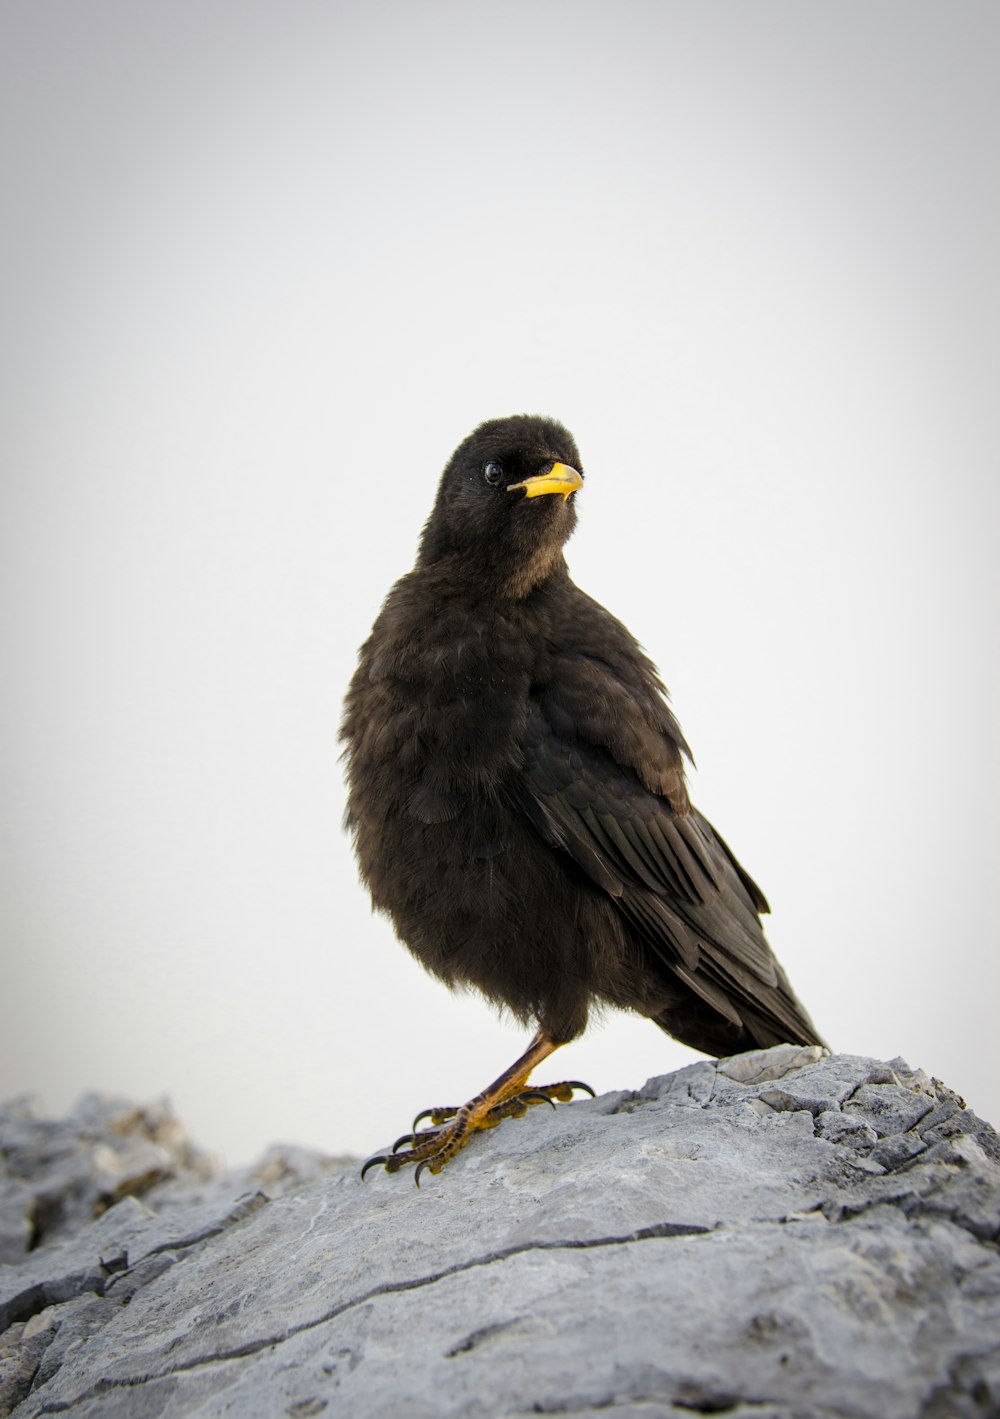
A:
x,y
560,478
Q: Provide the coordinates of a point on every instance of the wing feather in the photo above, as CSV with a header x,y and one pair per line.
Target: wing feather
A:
x,y
675,881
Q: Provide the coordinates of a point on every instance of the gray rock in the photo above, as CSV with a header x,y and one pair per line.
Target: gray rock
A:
x,y
782,1235
57,1174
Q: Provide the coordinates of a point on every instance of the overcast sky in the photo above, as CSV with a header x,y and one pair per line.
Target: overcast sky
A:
x,y
263,266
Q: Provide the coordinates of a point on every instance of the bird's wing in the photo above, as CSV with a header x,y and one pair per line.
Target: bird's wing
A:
x,y
602,781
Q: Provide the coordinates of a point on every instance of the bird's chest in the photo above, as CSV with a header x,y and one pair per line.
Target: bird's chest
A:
x,y
438,726
445,713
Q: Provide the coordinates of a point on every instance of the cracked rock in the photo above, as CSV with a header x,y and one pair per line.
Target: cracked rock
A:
x,y
782,1235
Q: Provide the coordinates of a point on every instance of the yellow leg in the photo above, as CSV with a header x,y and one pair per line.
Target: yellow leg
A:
x,y
506,1097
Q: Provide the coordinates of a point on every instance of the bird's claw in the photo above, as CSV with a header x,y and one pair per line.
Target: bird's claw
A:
x,y
532,1096
569,1085
384,1158
436,1116
431,1148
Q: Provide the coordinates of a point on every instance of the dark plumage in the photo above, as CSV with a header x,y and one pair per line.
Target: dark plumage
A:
x,y
517,792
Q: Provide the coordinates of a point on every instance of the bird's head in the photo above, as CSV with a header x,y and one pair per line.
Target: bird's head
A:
x,y
504,506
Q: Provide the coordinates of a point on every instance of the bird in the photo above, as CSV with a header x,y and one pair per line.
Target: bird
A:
x,y
517,796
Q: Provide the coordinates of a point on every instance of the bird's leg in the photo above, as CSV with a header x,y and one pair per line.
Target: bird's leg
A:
x,y
506,1097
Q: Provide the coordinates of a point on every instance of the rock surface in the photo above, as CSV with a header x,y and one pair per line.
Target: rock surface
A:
x,y
776,1236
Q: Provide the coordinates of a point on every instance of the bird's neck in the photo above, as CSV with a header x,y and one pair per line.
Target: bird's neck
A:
x,y
456,576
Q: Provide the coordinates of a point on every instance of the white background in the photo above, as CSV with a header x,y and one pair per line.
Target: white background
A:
x,y
263,266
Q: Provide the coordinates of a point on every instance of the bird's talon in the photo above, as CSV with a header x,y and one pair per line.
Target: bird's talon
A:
x,y
564,1090
436,1116
381,1158
530,1096
431,1148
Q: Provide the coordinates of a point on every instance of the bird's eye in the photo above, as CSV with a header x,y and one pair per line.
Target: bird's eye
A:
x,y
492,473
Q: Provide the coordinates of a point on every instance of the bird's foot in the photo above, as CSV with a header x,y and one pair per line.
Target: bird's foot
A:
x,y
544,1093
453,1128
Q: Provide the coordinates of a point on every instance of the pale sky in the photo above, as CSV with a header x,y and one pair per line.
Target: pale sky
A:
x,y
263,267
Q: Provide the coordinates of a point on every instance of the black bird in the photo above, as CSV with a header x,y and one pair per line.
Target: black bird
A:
x,y
517,793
